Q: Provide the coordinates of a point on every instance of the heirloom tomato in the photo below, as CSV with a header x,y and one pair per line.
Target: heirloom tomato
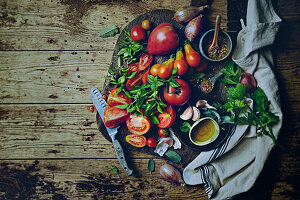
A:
x,y
192,57
180,63
145,80
167,118
136,140
178,96
154,69
138,124
137,33
114,116
115,99
145,61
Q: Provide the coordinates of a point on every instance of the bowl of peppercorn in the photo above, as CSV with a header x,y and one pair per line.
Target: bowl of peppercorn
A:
x,y
218,53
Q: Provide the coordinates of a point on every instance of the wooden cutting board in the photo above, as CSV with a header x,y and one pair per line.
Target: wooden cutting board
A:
x,y
187,152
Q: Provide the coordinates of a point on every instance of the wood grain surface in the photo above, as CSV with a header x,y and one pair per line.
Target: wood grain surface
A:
x,y
50,146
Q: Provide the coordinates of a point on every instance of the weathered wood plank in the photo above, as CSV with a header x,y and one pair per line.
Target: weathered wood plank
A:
x,y
88,179
67,76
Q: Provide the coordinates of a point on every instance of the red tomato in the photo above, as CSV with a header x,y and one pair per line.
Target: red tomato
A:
x,y
192,57
115,99
138,125
162,40
163,132
164,72
136,140
180,63
178,96
202,67
137,33
146,24
133,67
136,80
114,116
145,60
167,118
151,142
154,69
144,79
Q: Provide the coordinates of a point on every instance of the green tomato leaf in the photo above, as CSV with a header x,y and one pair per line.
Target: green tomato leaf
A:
x,y
174,157
109,31
174,70
174,84
119,89
151,165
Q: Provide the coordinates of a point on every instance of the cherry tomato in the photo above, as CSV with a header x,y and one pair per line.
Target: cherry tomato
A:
x,y
164,72
115,99
178,96
167,118
114,116
146,24
136,140
163,132
137,33
144,79
138,125
192,57
202,67
145,60
154,70
151,142
136,80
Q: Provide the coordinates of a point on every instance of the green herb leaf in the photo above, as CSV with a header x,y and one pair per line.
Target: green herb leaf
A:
x,y
123,106
174,70
174,157
109,31
114,169
228,81
174,84
154,119
260,100
185,127
150,79
132,74
198,75
151,165
121,79
119,89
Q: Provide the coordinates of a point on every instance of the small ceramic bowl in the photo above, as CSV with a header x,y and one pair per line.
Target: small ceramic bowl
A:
x,y
200,129
207,38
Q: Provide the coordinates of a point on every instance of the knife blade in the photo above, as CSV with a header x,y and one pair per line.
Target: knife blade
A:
x,y
100,105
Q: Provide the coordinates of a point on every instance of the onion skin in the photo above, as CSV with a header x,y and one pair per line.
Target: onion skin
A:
x,y
187,13
249,81
193,28
170,174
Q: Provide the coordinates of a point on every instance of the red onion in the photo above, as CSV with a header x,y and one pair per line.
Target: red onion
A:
x,y
248,80
171,174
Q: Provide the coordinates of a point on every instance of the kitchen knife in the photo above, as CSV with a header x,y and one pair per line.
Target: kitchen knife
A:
x,y
100,105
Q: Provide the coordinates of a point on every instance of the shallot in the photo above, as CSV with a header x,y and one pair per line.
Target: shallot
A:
x,y
171,174
187,13
248,80
193,28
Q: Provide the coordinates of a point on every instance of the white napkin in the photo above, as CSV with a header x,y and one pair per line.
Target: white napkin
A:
x,y
234,167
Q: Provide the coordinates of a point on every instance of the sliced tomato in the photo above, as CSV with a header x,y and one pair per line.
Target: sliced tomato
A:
x,y
133,67
136,140
145,81
114,116
115,99
138,124
167,118
145,60
136,80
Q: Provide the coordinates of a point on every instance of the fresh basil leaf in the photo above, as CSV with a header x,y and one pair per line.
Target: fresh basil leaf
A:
x,y
185,127
150,79
123,106
109,31
119,61
159,109
174,84
154,119
151,165
119,89
132,74
175,157
121,79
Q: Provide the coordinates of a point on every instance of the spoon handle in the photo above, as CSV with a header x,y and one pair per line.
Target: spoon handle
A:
x,y
217,28
215,77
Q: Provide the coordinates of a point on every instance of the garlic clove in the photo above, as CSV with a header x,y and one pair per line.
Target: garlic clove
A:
x,y
196,114
203,103
187,114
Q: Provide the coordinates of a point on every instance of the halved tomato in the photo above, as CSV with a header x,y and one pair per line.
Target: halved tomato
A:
x,y
133,67
136,80
138,124
114,116
136,140
145,80
167,118
115,99
145,60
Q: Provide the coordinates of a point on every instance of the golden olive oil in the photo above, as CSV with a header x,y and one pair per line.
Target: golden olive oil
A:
x,y
203,131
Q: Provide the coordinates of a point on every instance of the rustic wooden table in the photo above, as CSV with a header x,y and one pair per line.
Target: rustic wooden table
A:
x,y
50,147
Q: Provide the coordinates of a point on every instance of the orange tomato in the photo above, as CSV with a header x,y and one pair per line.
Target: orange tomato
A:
x,y
180,63
192,57
154,70
146,24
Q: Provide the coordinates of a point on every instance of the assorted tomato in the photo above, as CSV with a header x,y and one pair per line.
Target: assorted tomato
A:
x,y
146,24
114,116
138,124
151,142
115,98
178,96
163,132
180,63
136,140
137,34
145,60
192,57
167,118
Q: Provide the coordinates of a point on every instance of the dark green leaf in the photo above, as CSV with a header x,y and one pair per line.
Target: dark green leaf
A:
x,y
151,165
260,100
119,61
242,121
114,169
154,119
185,127
109,31
198,75
228,81
174,84
175,157
129,110
150,79
119,89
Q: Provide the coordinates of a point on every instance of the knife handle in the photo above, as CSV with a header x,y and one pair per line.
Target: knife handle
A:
x,y
121,157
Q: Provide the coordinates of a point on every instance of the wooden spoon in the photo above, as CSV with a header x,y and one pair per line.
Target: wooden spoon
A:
x,y
214,43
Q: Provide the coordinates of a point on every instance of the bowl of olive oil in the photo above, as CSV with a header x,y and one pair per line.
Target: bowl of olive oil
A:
x,y
204,131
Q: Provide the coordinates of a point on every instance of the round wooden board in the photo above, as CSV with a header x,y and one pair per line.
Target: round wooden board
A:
x,y
187,152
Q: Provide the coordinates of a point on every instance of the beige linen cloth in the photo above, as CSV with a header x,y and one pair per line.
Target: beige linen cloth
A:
x,y
234,167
